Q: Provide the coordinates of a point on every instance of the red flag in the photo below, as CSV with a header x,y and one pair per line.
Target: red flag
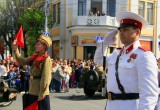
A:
x,y
33,106
19,37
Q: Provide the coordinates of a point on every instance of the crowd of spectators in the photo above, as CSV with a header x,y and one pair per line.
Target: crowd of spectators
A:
x,y
18,75
98,13
65,74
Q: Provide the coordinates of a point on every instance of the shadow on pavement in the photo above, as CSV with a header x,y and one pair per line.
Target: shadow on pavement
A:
x,y
81,97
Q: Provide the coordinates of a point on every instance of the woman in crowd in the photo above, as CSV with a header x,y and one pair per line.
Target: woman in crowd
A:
x,y
24,79
3,68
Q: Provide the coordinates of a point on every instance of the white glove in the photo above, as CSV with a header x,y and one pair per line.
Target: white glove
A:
x,y
111,37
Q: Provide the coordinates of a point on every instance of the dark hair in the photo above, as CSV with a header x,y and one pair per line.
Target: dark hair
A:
x,y
135,27
128,25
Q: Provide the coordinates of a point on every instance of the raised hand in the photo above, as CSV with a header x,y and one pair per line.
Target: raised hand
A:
x,y
14,45
111,37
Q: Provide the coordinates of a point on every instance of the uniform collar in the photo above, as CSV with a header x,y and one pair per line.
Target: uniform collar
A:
x,y
130,47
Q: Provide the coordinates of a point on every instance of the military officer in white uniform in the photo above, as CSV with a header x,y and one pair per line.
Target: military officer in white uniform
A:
x,y
132,82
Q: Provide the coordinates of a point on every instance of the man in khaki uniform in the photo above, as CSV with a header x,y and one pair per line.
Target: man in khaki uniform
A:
x,y
40,69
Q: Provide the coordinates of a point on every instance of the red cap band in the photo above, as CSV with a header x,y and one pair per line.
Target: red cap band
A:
x,y
131,21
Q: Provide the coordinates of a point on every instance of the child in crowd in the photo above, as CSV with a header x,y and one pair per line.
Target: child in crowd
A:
x,y
67,82
63,79
17,83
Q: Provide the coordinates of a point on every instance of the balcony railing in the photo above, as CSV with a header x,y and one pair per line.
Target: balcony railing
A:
x,y
95,20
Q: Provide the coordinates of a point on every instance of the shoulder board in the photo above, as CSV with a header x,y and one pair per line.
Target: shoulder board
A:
x,y
143,48
119,48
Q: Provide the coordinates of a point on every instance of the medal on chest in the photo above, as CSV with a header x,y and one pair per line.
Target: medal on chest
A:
x,y
132,58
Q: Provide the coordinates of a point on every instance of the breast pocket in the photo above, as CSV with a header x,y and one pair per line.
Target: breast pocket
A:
x,y
129,70
126,65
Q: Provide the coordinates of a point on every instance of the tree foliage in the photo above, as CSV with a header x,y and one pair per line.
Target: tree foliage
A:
x,y
32,21
6,26
25,13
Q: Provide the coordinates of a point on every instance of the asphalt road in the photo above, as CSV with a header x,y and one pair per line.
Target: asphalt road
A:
x,y
72,100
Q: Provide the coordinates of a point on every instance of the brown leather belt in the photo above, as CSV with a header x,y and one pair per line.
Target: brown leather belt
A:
x,y
127,96
35,77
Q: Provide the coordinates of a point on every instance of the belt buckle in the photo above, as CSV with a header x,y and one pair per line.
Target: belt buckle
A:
x,y
109,96
31,77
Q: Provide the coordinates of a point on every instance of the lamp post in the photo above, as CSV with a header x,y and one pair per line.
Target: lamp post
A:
x,y
46,31
47,4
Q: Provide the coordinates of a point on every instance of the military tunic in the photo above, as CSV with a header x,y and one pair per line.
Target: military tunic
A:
x,y
38,87
138,73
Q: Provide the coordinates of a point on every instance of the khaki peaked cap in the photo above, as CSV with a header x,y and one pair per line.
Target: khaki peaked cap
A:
x,y
45,39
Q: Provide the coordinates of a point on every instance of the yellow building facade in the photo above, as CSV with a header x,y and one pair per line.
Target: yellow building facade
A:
x,y
74,31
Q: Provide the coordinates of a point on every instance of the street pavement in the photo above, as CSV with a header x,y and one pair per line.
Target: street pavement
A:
x,y
72,100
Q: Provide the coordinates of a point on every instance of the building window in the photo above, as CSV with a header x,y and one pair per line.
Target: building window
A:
x,y
141,8
54,14
59,7
150,13
89,52
96,7
81,7
111,8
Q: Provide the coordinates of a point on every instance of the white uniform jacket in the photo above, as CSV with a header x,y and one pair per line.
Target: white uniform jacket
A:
x,y
138,73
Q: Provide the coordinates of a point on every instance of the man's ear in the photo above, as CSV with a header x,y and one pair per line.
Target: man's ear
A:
x,y
138,31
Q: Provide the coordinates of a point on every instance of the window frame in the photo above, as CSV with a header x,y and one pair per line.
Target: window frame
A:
x,y
150,13
143,3
83,8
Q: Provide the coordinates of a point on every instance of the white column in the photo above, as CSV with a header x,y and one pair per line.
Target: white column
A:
x,y
62,22
75,8
88,6
104,6
134,6
75,12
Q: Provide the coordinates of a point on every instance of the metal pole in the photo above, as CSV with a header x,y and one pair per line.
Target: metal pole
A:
x,y
46,31
46,16
46,24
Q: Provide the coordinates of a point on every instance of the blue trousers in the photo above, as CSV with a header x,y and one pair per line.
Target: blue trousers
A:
x,y
57,86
